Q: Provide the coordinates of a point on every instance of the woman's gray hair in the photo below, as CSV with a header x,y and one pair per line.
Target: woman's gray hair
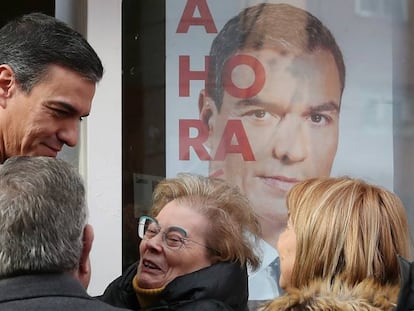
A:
x,y
234,227
43,214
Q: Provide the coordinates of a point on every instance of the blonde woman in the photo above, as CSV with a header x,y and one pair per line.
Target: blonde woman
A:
x,y
339,251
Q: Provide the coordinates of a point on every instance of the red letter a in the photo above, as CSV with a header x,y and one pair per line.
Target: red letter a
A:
x,y
234,128
188,19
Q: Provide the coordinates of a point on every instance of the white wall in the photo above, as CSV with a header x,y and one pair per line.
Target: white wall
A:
x,y
100,146
101,153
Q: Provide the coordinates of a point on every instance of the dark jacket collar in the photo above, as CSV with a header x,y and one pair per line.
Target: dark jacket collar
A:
x,y
38,285
224,281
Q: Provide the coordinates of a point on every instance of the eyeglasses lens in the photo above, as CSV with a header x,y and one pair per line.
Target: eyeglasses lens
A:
x,y
149,228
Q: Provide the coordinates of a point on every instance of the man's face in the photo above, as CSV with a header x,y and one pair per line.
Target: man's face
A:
x,y
42,121
291,125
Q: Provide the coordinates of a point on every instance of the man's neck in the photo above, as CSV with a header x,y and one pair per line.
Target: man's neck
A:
x,y
271,229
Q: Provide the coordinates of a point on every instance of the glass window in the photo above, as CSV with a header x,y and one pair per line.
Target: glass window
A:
x,y
171,108
143,104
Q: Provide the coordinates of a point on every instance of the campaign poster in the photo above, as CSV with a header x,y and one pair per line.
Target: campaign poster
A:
x,y
278,120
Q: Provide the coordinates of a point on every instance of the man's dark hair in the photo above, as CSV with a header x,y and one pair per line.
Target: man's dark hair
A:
x,y
33,42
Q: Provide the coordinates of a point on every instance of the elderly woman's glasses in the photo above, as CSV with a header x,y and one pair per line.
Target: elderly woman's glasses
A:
x,y
173,237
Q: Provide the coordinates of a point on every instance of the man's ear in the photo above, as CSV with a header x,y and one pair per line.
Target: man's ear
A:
x,y
207,110
6,83
84,270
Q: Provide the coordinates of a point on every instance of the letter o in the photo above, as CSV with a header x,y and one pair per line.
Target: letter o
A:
x,y
259,76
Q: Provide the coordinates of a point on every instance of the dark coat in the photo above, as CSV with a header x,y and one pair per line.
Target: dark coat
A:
x,y
222,286
47,292
406,295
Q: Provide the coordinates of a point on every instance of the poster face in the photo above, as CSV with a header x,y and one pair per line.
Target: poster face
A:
x,y
267,93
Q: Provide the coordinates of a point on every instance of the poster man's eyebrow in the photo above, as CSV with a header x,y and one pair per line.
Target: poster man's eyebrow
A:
x,y
244,103
331,106
253,101
328,106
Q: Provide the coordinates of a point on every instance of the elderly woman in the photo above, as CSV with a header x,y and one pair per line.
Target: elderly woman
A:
x,y
194,251
339,251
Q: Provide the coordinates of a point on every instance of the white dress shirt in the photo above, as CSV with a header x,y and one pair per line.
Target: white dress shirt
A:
x,y
263,285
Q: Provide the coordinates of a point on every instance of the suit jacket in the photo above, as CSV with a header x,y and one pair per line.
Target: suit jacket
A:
x,y
47,292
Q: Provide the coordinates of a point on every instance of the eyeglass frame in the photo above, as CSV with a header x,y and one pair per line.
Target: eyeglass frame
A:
x,y
183,240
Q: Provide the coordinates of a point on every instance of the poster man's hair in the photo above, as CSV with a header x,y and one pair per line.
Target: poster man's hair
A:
x,y
278,26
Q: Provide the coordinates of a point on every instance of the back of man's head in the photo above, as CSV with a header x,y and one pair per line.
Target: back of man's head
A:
x,y
43,215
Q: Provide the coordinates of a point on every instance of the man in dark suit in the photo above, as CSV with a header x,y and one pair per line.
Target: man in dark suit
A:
x,y
45,239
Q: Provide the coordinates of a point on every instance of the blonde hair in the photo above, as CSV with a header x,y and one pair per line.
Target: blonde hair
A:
x,y
346,228
233,227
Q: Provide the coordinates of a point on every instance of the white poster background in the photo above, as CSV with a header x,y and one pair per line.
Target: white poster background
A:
x,y
365,147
